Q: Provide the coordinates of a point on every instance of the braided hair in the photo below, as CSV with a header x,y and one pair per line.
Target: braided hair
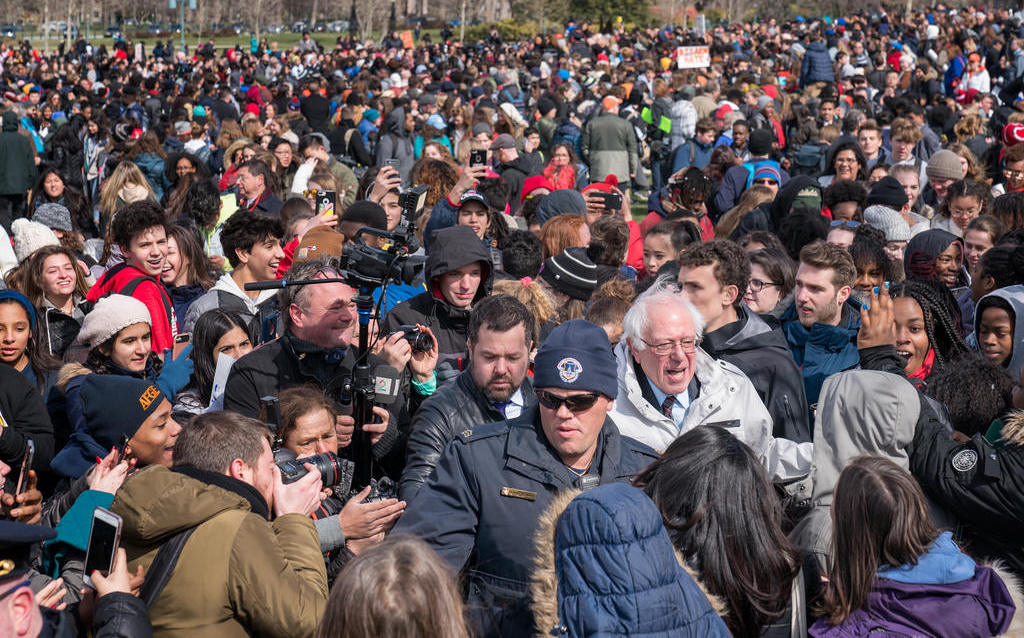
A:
x,y
941,317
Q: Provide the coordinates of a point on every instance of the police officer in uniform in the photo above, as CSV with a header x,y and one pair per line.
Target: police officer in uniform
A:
x,y
481,506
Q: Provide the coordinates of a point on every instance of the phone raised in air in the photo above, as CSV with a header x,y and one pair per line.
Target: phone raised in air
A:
x,y
326,203
26,465
477,157
104,538
612,201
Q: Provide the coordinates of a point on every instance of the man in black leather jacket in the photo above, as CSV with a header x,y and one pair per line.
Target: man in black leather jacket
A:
x,y
493,388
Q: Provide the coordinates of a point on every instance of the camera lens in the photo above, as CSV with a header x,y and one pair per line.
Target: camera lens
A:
x,y
328,464
421,342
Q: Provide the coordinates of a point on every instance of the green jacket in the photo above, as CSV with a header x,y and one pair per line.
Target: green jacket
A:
x,y
239,574
609,146
17,158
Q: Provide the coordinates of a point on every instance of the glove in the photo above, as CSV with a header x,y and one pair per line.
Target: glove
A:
x,y
176,372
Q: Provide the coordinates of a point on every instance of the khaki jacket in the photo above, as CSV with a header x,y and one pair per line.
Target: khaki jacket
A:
x,y
239,574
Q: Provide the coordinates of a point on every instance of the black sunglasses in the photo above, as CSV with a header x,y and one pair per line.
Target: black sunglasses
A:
x,y
575,403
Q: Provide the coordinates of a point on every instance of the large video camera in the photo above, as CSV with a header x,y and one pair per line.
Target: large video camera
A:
x,y
368,265
364,267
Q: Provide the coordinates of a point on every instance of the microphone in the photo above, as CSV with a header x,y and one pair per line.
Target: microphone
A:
x,y
271,284
386,382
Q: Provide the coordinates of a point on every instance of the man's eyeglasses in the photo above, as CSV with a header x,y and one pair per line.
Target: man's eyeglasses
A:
x,y
844,223
767,181
575,403
24,583
756,285
1017,175
668,347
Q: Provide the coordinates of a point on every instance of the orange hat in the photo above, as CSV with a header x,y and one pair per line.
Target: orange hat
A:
x,y
609,102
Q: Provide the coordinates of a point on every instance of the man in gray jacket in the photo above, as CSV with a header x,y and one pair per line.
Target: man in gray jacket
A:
x,y
668,385
609,144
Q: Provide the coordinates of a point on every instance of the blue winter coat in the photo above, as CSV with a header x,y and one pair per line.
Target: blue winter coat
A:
x,y
481,506
824,349
612,571
816,66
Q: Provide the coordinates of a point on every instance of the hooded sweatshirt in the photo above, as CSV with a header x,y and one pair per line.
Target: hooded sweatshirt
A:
x,y
395,143
860,412
227,295
1014,296
450,248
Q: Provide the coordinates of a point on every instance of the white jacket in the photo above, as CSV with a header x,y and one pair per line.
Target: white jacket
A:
x,y
726,394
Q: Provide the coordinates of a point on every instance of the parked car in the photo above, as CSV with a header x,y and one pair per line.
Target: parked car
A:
x,y
299,26
338,26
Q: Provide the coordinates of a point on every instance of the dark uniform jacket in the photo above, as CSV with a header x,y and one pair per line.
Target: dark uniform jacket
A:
x,y
480,509
454,408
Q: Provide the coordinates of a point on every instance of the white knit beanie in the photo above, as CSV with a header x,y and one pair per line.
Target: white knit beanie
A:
x,y
30,236
109,316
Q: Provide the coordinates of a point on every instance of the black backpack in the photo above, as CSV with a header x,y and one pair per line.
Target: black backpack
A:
x,y
808,159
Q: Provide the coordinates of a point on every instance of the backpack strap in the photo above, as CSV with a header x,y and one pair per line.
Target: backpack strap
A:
x,y
159,573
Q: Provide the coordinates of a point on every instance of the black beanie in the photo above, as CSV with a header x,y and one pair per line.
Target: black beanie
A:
x,y
887,192
571,272
760,143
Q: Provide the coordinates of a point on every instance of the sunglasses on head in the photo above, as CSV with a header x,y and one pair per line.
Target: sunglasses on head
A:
x,y
844,223
575,403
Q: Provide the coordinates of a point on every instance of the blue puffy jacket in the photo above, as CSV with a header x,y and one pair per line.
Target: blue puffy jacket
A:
x,y
824,349
606,567
816,66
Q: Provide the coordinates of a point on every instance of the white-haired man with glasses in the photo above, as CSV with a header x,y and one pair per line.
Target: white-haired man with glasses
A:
x,y
668,385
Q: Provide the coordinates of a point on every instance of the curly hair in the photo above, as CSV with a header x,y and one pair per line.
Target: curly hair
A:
x,y
976,392
941,318
731,264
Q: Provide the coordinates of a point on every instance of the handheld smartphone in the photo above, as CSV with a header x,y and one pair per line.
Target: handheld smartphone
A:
x,y
122,448
612,201
326,202
393,163
104,538
477,157
26,465
180,341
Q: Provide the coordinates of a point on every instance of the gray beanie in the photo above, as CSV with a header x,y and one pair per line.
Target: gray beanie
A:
x,y
944,164
888,221
109,316
53,216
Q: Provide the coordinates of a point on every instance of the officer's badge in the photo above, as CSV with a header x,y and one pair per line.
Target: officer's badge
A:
x,y
569,369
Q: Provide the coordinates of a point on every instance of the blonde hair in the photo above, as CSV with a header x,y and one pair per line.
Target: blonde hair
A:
x,y
532,295
125,173
751,199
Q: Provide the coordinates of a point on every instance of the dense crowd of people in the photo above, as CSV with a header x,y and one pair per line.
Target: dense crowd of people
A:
x,y
553,337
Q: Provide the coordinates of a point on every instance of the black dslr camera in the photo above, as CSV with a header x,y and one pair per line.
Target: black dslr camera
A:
x,y
334,471
420,341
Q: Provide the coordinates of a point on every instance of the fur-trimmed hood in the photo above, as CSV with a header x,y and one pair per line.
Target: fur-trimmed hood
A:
x,y
1013,429
604,565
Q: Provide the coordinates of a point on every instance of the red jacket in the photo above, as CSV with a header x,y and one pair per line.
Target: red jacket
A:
x,y
125,279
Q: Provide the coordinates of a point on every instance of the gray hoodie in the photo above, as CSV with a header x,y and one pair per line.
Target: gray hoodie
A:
x,y
1013,295
859,412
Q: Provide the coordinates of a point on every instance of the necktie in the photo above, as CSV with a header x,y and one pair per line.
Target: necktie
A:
x,y
667,405
501,405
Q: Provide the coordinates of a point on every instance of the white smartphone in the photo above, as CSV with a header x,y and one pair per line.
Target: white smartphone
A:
x,y
104,538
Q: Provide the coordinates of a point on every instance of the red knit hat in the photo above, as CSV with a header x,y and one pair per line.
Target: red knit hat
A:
x,y
534,182
1013,134
609,182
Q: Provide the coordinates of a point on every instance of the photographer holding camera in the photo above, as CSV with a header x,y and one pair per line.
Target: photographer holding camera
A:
x,y
233,545
345,525
315,349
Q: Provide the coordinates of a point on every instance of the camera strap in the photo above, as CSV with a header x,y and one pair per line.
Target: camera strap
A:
x,y
163,566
